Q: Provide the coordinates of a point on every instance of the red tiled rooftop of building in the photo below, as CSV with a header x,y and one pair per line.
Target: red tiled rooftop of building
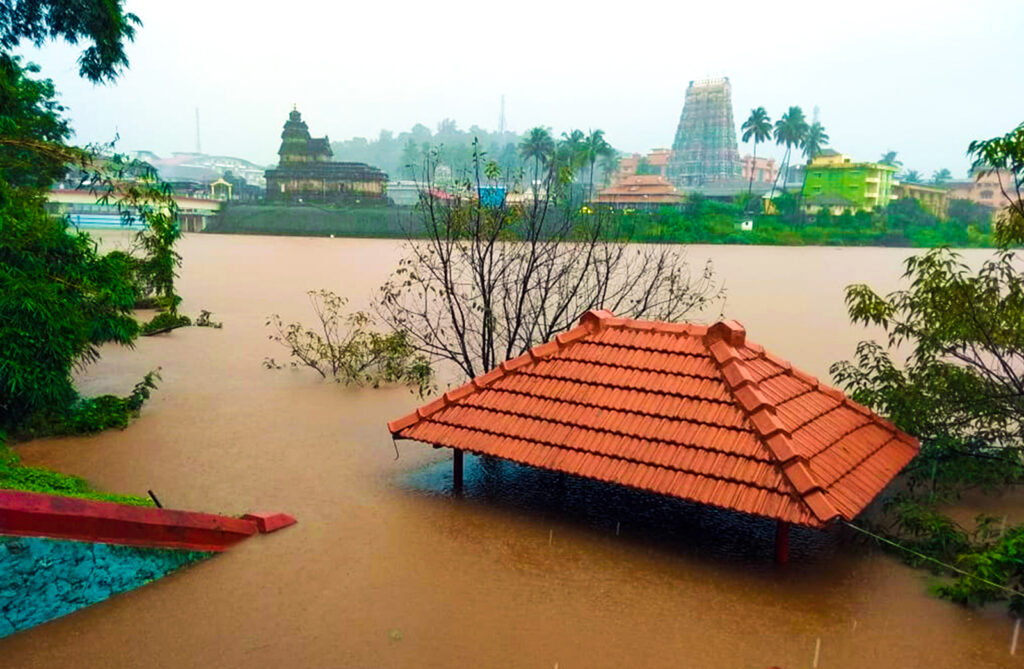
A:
x,y
685,410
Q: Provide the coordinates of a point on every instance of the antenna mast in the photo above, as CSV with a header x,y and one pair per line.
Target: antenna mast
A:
x,y
501,118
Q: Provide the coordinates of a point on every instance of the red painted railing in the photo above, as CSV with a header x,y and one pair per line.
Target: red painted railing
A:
x,y
36,514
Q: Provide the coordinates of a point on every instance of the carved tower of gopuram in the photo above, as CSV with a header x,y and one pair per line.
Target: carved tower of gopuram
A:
x,y
705,151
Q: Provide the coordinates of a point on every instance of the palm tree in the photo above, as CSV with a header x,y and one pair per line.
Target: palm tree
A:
x,y
940,177
815,140
790,130
539,146
609,166
572,148
889,158
594,147
757,127
911,177
568,156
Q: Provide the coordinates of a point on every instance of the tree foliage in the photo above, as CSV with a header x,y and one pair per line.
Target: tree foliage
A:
x,y
490,281
346,348
104,23
59,301
60,298
757,128
1005,154
960,389
790,130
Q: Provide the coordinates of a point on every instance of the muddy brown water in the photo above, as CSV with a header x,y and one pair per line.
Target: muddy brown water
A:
x,y
386,569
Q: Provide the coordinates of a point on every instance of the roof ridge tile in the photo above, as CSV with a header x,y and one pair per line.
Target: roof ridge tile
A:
x,y
484,380
517,362
722,353
736,375
572,336
751,398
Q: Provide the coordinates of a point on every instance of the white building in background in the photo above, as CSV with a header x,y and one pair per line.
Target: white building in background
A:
x,y
204,168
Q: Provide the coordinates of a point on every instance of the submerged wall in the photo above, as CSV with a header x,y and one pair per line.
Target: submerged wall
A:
x,y
317,221
42,579
59,554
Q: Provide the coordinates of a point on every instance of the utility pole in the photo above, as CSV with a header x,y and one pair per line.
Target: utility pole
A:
x,y
199,147
501,118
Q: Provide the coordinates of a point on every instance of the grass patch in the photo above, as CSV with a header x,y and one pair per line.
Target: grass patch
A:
x,y
16,476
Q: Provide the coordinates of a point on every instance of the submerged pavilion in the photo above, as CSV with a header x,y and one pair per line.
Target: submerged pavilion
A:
x,y
689,411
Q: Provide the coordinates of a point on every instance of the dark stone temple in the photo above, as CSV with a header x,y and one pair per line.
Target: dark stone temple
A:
x,y
306,173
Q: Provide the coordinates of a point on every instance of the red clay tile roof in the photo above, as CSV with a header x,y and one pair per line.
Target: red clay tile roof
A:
x,y
683,410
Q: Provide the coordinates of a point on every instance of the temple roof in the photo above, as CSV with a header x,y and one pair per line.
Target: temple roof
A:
x,y
640,188
683,410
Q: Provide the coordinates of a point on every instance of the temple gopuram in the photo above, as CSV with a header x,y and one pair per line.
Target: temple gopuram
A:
x,y
306,172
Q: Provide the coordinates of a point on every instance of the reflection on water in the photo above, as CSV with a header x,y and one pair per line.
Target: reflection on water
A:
x,y
669,523
386,569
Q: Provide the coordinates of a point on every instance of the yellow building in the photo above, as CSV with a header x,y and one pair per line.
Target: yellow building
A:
x,y
836,183
933,200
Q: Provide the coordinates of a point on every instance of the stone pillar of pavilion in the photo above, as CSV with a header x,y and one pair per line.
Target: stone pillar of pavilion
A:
x,y
457,471
781,542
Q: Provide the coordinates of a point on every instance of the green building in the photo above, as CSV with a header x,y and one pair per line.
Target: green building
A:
x,y
836,183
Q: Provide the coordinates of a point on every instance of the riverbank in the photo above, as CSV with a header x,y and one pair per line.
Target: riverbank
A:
x,y
905,225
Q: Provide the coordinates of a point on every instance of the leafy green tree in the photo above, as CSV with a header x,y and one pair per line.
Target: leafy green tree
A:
x,y
1006,155
790,130
940,177
29,118
346,348
60,299
645,168
411,157
102,22
757,128
814,141
970,213
963,385
961,390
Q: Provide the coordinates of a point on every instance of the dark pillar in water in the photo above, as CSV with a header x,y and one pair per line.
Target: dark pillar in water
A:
x,y
781,542
457,471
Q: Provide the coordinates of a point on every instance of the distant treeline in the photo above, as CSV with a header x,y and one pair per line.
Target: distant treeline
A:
x,y
402,156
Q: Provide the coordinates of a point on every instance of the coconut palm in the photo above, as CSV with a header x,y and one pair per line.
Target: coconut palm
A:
x,y
571,146
595,147
889,158
609,166
912,177
538,146
815,140
940,177
790,131
757,127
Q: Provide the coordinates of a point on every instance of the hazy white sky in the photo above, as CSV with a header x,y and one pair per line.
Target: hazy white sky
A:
x,y
923,78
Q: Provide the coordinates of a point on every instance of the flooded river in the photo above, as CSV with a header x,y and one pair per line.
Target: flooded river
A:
x,y
385,569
